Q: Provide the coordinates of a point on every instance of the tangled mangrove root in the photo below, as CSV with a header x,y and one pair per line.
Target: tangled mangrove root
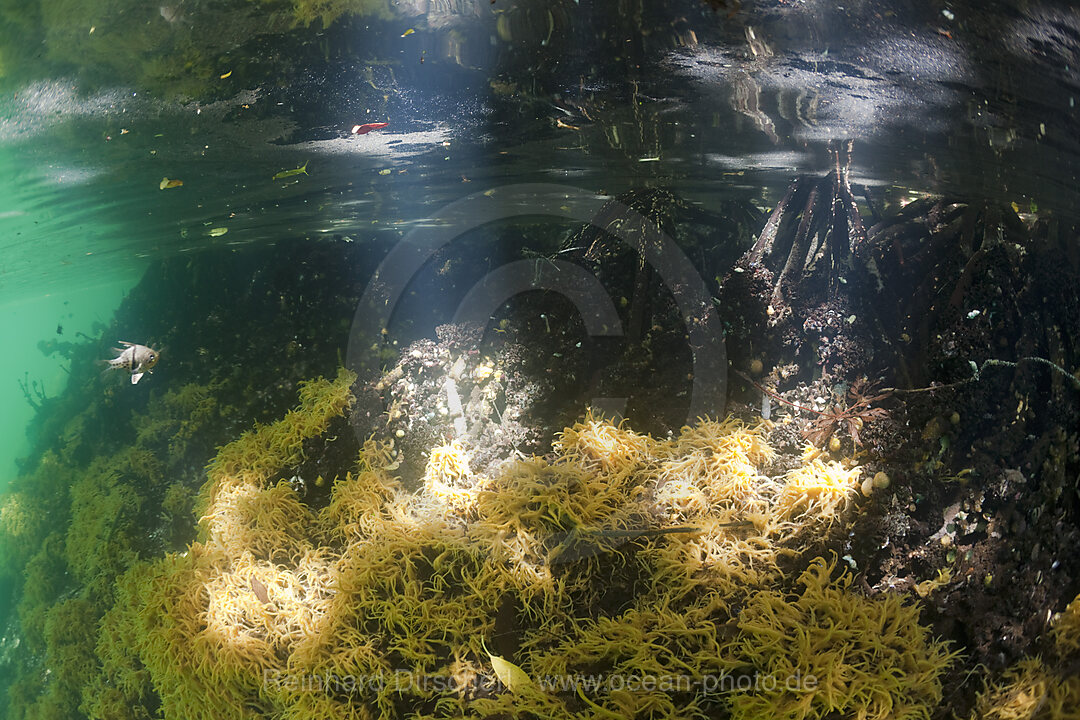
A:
x,y
789,294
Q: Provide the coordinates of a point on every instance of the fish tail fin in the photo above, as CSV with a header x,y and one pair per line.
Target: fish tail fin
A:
x,y
303,169
105,374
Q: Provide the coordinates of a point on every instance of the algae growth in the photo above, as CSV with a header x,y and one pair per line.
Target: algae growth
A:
x,y
382,601
612,573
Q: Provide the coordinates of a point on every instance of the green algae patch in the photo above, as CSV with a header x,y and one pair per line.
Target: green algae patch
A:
x,y
478,596
1030,690
70,528
1038,689
618,576
249,462
831,651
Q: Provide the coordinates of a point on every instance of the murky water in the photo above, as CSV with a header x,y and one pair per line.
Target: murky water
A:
x,y
188,144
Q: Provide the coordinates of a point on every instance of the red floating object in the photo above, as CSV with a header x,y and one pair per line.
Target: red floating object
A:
x,y
367,127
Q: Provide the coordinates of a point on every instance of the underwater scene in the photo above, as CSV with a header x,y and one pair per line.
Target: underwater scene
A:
x,y
569,359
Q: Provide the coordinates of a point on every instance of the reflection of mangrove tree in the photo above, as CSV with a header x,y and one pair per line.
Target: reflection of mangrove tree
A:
x,y
173,47
934,290
185,47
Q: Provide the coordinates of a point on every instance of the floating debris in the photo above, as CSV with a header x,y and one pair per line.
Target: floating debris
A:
x,y
302,170
367,127
167,184
510,675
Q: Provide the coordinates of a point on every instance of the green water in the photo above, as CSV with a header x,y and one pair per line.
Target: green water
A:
x,y
36,322
62,275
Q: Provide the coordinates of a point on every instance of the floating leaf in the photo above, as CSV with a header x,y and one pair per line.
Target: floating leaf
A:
x,y
513,677
218,232
166,183
302,170
510,675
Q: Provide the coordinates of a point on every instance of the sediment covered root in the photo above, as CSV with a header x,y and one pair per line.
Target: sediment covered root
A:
x,y
791,293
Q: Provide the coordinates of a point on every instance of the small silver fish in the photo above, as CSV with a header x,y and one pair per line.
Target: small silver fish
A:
x,y
136,359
